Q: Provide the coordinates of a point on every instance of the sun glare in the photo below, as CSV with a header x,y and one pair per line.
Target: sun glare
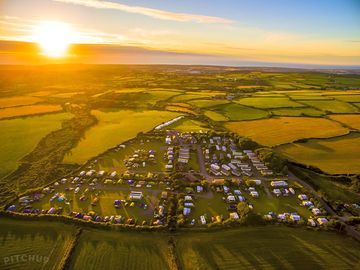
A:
x,y
54,38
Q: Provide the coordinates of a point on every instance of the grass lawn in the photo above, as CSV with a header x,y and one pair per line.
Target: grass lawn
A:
x,y
350,120
115,160
333,106
187,125
276,131
209,204
240,112
22,135
297,112
39,238
115,127
215,116
29,110
105,205
204,103
267,247
334,155
120,250
268,102
18,101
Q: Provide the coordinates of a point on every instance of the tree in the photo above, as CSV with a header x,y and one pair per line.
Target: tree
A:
x,y
243,209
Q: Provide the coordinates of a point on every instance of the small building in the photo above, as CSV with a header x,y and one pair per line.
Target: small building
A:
x,y
277,192
231,199
295,217
254,194
322,221
279,183
186,211
188,198
311,222
316,211
307,203
303,197
136,195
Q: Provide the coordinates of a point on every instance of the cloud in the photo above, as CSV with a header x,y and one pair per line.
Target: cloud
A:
x,y
150,12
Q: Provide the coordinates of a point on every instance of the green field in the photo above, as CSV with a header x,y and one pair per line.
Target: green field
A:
x,y
117,250
267,248
20,136
215,116
282,130
350,120
114,160
187,125
113,128
297,112
44,240
205,103
334,155
105,205
268,102
240,112
333,106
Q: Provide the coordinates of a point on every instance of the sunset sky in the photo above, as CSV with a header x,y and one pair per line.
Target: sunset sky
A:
x,y
227,32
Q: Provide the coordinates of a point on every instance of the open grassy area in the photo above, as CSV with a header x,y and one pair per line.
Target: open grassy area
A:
x,y
267,248
28,110
282,130
240,112
334,155
105,206
297,112
120,250
115,127
333,106
187,125
350,120
114,160
204,103
18,101
215,116
20,136
46,241
268,102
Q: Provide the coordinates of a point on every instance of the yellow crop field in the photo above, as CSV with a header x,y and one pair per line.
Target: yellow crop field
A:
x,y
28,110
351,120
18,101
276,131
327,154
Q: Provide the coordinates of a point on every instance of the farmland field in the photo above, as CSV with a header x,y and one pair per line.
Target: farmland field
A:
x,y
351,120
297,112
28,110
18,101
22,135
204,103
240,112
117,250
282,130
189,125
333,106
268,102
43,240
327,154
215,116
115,127
267,248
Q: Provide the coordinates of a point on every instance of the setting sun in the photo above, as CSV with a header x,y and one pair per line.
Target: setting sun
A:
x,y
54,38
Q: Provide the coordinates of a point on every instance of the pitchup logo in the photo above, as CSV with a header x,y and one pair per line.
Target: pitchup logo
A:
x,y
25,259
